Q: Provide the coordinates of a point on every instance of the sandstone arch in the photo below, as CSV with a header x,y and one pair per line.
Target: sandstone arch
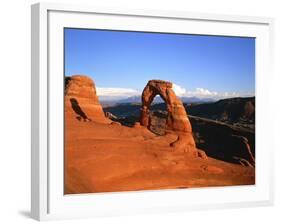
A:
x,y
177,120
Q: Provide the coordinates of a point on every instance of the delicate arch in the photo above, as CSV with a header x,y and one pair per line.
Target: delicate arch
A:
x,y
177,119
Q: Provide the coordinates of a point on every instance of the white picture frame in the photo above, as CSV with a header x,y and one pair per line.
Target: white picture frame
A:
x,y
48,201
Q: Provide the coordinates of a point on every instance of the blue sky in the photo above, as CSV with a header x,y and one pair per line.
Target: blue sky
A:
x,y
121,62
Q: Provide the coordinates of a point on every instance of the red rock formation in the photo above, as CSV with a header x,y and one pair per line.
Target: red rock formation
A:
x,y
177,120
81,99
110,157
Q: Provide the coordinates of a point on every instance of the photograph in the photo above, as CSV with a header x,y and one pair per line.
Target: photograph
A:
x,y
157,111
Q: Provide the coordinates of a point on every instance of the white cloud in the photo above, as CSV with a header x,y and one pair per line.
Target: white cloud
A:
x,y
205,93
127,92
179,91
120,93
201,92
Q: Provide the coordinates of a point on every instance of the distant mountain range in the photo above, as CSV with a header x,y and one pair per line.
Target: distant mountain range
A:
x,y
158,99
196,100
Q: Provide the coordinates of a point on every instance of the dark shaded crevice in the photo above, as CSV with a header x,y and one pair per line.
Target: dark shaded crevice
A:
x,y
77,109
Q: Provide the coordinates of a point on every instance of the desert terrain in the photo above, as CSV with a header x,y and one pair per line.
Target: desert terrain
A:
x,y
106,152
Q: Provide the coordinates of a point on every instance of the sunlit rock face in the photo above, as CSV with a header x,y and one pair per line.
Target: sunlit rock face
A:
x,y
177,120
82,100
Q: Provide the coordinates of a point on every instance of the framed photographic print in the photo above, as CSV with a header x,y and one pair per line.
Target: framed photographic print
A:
x,y
148,111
